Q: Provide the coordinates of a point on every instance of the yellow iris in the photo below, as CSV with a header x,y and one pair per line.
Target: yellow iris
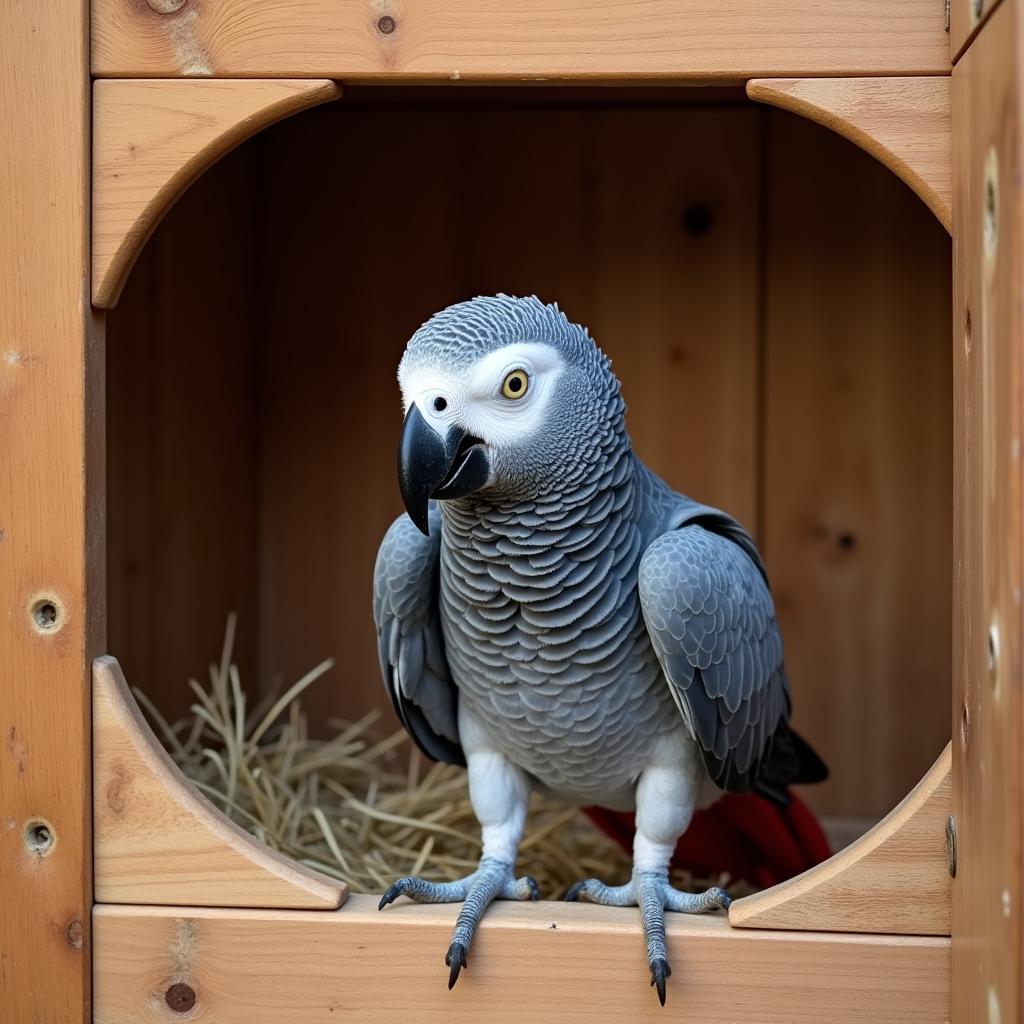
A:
x,y
515,384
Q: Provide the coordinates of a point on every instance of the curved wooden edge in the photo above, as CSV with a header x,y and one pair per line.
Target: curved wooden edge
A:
x,y
894,879
152,138
902,122
158,841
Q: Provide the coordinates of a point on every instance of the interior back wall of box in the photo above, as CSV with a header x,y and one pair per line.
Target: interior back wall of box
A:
x,y
776,303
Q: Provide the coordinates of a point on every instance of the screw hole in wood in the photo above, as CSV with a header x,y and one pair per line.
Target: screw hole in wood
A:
x,y
951,851
39,837
46,614
993,653
990,216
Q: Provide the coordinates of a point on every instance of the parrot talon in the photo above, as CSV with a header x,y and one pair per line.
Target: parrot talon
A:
x,y
391,894
493,879
576,890
652,892
660,971
455,958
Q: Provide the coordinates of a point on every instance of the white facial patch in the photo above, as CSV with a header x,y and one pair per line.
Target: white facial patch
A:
x,y
473,398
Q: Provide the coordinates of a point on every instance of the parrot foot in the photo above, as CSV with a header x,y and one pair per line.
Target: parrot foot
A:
x,y
493,879
653,894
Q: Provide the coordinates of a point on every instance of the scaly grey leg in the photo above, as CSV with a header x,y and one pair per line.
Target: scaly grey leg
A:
x,y
493,879
652,893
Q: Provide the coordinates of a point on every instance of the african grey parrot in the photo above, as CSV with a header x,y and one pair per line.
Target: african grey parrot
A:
x,y
552,615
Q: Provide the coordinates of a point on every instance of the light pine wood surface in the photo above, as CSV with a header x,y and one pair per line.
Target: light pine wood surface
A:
x,y
544,962
901,122
51,536
152,139
157,840
894,879
988,657
520,40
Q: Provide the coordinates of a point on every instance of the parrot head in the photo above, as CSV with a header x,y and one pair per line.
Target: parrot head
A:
x,y
506,398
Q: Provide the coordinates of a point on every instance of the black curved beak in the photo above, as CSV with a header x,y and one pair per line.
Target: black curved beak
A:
x,y
431,466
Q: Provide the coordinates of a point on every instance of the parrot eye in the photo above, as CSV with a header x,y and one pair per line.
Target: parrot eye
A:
x,y
515,384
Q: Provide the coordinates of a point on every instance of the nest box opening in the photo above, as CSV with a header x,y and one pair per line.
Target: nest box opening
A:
x,y
775,301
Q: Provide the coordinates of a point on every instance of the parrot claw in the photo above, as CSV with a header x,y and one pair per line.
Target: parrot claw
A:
x,y
493,879
455,958
654,894
660,971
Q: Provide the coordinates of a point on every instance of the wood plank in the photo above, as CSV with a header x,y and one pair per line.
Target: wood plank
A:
x,y
894,879
51,538
857,464
543,962
152,139
158,840
965,20
524,39
903,122
592,213
988,346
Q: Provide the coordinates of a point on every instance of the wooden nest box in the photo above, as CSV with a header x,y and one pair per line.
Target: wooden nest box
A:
x,y
205,285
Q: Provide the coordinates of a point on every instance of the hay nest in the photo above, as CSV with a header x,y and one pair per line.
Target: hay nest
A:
x,y
359,806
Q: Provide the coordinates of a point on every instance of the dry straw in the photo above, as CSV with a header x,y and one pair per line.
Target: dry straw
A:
x,y
357,806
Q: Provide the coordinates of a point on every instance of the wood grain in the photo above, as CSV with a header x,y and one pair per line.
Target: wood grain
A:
x,y
894,879
988,751
51,487
902,122
857,462
152,139
157,840
524,39
543,962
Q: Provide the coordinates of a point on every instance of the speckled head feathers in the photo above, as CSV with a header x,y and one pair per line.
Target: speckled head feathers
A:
x,y
468,330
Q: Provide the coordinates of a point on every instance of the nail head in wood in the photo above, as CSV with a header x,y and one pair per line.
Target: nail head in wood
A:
x,y
180,997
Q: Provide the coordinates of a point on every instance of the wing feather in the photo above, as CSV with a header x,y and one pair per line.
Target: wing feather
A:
x,y
410,643
712,624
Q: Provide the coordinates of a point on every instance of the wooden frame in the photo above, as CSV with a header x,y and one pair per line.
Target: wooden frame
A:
x,y
51,534
51,546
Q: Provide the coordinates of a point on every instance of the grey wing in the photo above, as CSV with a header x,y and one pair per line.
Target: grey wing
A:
x,y
409,639
712,625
